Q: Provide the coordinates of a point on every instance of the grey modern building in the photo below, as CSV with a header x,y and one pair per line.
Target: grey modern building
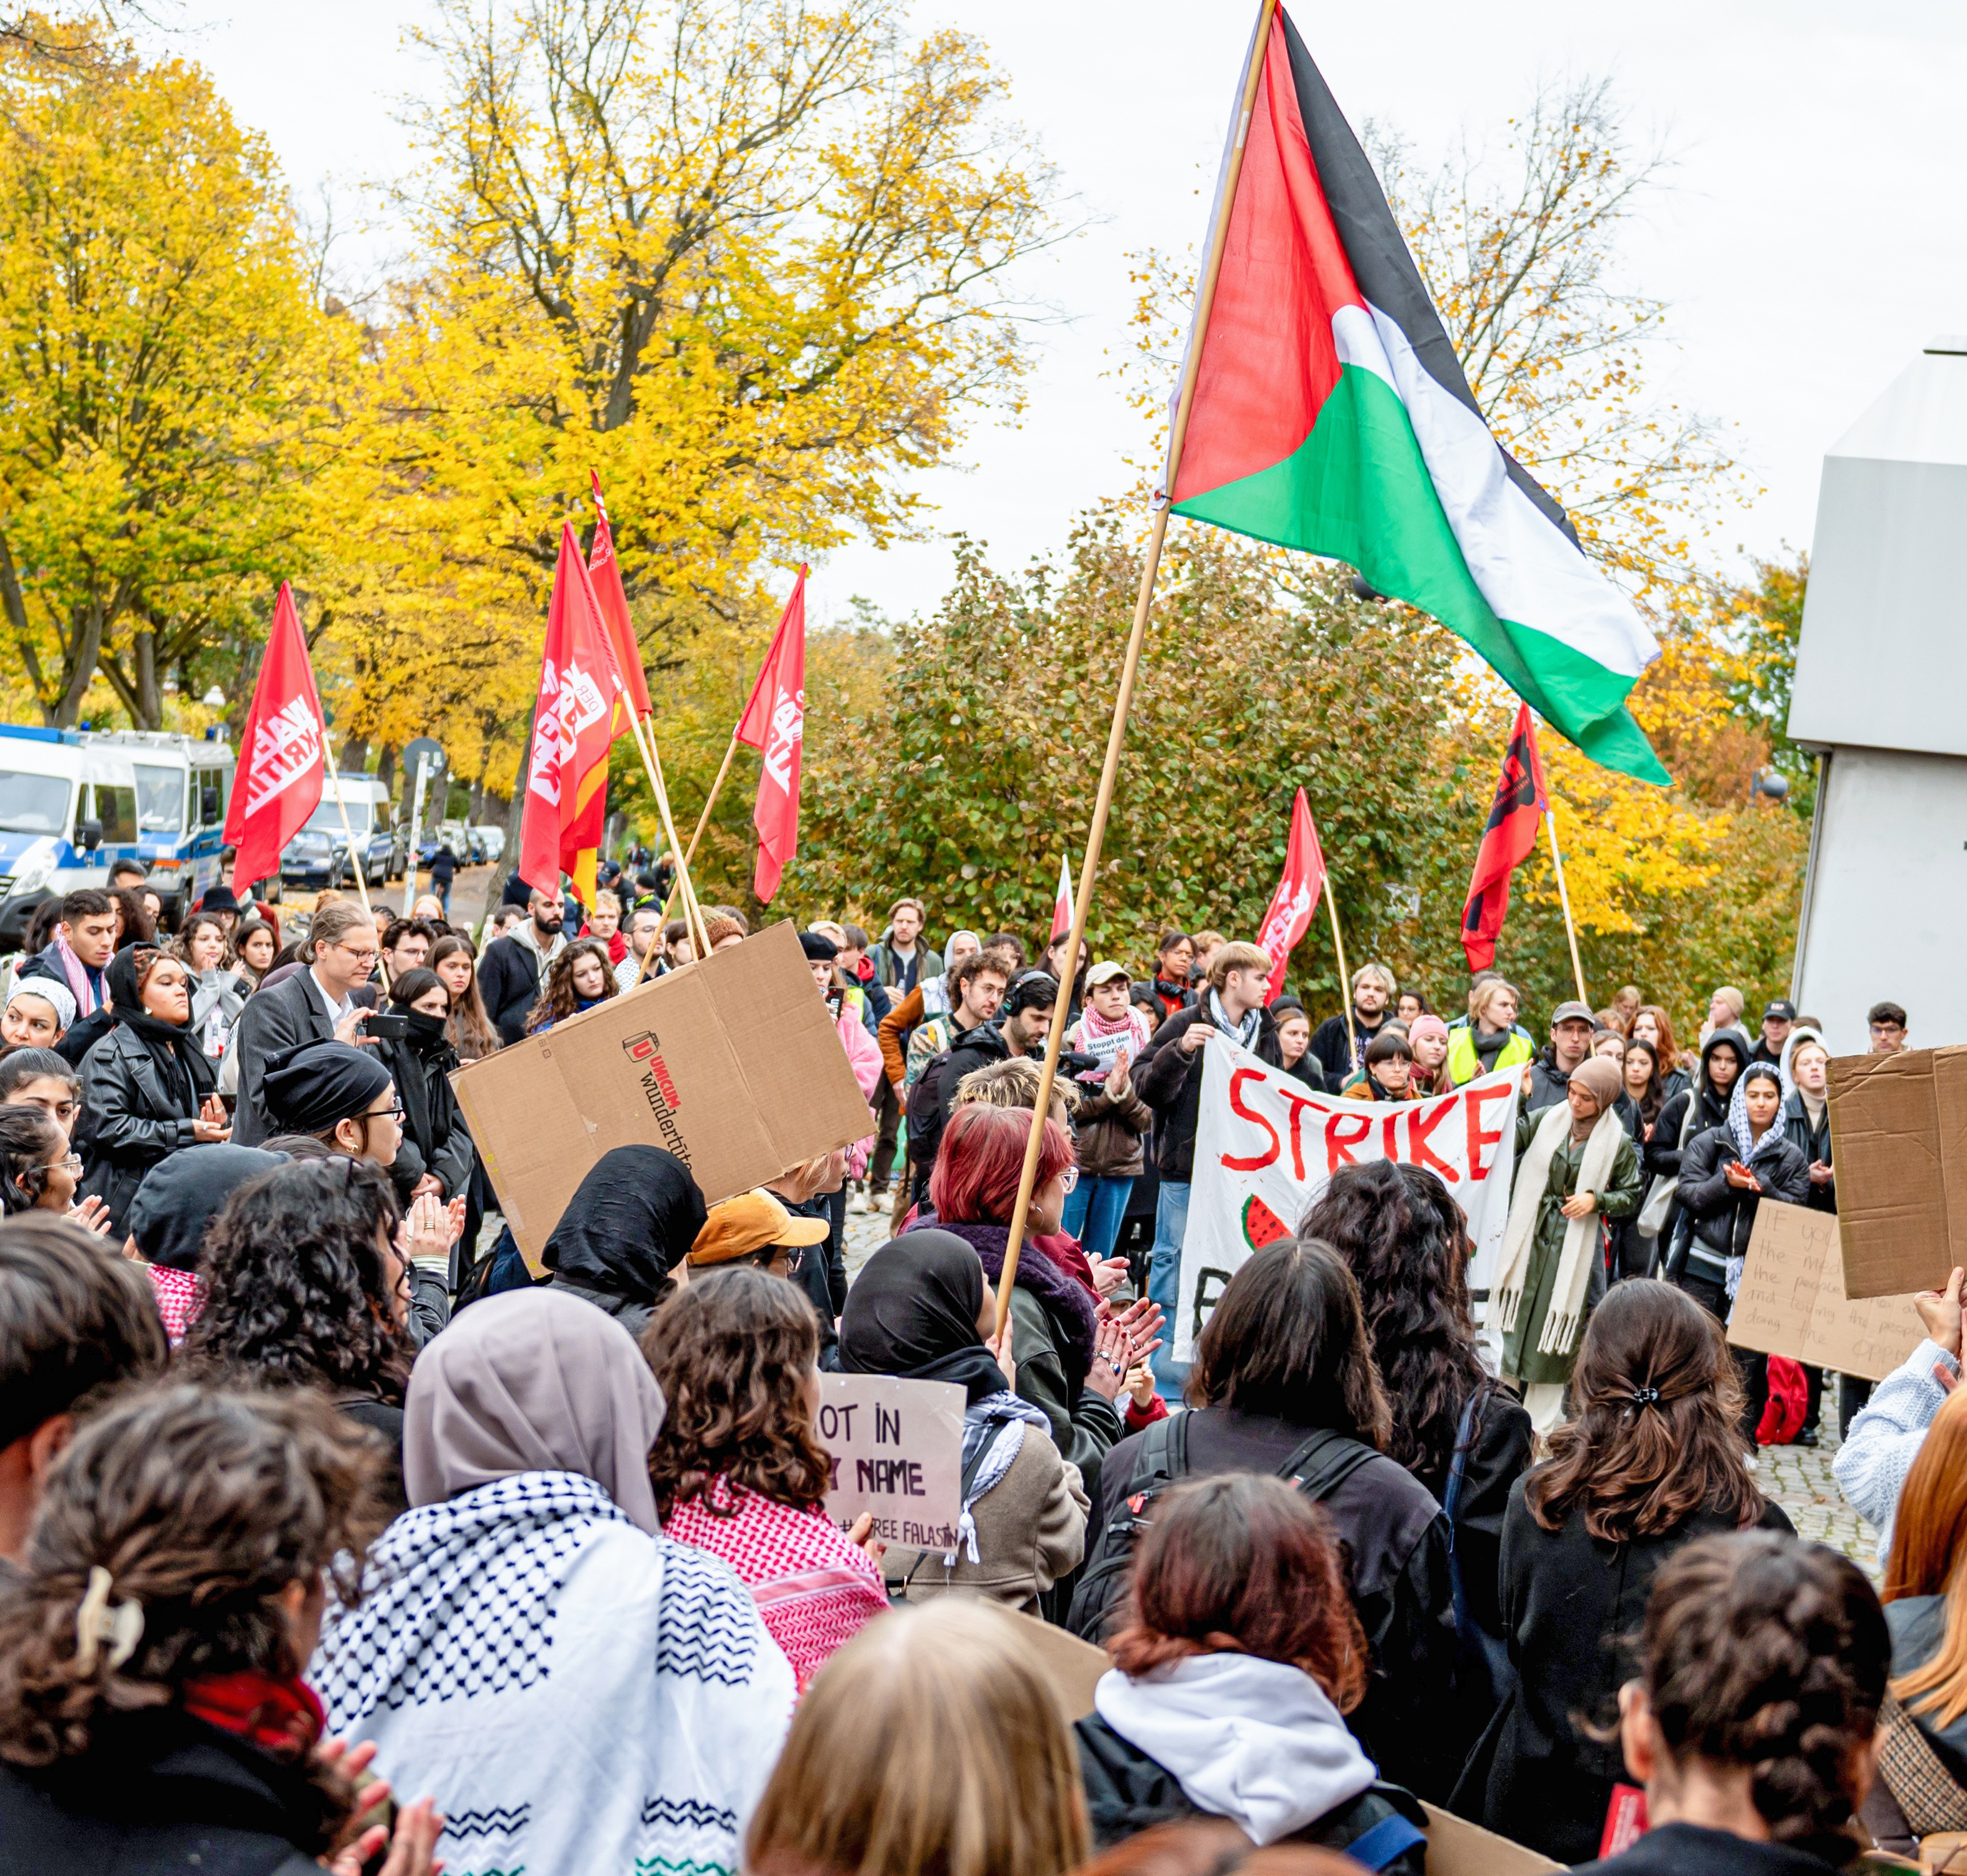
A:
x,y
1881,696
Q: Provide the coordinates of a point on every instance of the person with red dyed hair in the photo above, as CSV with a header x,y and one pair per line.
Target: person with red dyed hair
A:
x,y
1071,1353
1240,1655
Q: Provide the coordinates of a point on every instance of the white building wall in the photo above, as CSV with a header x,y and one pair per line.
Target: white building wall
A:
x,y
1885,917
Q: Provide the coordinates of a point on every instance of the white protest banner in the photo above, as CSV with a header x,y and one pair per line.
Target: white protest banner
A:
x,y
897,1451
1266,1146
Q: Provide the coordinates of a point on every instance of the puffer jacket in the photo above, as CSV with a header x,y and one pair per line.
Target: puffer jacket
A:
x,y
1716,1218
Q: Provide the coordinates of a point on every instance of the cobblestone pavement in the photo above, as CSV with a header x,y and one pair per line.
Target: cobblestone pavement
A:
x,y
1796,1477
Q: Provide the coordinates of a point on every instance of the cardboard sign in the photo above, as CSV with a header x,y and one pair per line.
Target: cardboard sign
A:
x,y
1898,1138
1457,1848
1071,1666
732,1064
1266,1146
897,1451
1792,1301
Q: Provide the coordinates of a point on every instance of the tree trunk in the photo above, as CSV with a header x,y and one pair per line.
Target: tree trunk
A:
x,y
354,757
150,698
386,767
82,666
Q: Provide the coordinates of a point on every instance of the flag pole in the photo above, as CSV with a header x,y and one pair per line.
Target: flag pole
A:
x,y
358,869
1564,900
1116,735
653,762
1345,978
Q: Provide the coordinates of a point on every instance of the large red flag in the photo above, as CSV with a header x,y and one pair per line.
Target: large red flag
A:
x,y
1297,896
774,724
1520,801
279,779
1061,906
567,769
606,572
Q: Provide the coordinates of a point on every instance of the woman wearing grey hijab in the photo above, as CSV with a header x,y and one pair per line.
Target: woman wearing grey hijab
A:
x,y
529,1596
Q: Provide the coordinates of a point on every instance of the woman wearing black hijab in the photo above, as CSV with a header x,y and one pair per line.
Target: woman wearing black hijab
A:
x,y
630,1222
147,1088
920,1309
436,1154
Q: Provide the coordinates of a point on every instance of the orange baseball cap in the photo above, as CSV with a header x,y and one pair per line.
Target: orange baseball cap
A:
x,y
752,1222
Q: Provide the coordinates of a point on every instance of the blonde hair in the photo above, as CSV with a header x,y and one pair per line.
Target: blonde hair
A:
x,y
1012,1083
605,901
1387,980
1486,993
932,1742
1236,956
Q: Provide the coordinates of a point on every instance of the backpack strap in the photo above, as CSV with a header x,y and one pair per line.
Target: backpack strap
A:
x,y
1324,1462
1390,1837
1457,1466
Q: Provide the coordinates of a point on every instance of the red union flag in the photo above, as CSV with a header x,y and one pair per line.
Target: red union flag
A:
x,y
1297,896
280,772
566,768
606,572
1520,802
774,724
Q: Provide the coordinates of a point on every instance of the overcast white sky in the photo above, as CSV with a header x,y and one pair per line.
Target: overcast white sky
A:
x,y
1813,242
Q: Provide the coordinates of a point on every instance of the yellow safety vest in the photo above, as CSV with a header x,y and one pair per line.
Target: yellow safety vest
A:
x,y
1464,1065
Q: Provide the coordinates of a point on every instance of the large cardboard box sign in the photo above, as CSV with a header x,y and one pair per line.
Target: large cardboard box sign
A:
x,y
1792,1303
732,1063
1898,1139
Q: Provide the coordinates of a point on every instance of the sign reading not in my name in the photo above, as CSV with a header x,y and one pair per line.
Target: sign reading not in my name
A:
x,y
897,1451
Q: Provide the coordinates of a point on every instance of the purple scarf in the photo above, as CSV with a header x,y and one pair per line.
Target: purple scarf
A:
x,y
1066,1301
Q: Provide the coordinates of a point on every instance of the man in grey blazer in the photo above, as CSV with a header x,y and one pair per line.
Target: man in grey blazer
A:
x,y
314,1004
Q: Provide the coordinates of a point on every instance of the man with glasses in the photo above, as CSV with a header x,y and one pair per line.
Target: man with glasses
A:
x,y
316,1005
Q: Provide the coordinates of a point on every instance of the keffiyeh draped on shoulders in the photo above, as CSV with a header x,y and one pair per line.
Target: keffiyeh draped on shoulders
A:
x,y
578,1694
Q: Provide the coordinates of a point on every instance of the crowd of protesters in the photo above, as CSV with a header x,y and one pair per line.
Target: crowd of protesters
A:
x,y
333,1535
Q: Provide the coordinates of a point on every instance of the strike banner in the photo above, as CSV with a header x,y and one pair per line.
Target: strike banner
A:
x,y
1266,1146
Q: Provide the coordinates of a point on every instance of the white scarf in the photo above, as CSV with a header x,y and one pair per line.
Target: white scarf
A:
x,y
1565,1317
1253,1741
580,1695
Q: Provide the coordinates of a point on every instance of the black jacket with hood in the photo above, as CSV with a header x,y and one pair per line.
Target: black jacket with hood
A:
x,y
1813,1141
1677,1125
1170,1083
631,1222
1715,1217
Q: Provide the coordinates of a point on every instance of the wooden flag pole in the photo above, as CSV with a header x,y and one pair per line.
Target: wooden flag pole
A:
x,y
1345,981
1564,900
652,763
1116,735
703,819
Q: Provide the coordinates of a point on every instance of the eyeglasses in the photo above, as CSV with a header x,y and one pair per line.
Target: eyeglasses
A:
x,y
367,959
394,1111
1068,1179
71,1163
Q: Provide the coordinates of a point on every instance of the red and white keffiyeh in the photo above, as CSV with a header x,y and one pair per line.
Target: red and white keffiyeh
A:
x,y
180,1295
814,1589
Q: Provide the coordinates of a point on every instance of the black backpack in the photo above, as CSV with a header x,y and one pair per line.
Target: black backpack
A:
x,y
1316,1467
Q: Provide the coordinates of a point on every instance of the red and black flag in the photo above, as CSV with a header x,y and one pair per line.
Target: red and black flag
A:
x,y
1520,802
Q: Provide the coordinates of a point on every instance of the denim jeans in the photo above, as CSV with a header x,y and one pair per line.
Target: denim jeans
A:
x,y
1163,1279
1093,1210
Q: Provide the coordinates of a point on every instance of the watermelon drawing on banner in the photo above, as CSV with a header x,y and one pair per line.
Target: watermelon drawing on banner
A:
x,y
1260,1225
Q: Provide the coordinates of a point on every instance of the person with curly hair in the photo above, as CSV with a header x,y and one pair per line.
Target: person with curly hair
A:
x,y
1284,1382
304,1288
580,976
1650,1462
1753,1723
737,1469
1240,1655
588,1693
1454,1426
153,1713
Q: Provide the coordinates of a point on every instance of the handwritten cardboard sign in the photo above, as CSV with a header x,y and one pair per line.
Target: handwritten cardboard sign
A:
x,y
1266,1147
1792,1301
897,1451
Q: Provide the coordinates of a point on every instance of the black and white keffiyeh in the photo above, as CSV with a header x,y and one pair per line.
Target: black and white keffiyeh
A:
x,y
578,1694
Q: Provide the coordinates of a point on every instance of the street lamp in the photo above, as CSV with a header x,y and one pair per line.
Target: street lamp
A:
x,y
1771,782
215,698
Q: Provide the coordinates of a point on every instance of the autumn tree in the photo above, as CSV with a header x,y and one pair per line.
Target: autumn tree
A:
x,y
165,371
746,260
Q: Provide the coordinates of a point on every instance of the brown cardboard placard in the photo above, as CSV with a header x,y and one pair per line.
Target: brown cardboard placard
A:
x,y
732,1063
1898,1133
1457,1848
1792,1301
1073,1667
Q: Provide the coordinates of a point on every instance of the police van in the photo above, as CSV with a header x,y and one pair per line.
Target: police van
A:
x,y
184,787
68,813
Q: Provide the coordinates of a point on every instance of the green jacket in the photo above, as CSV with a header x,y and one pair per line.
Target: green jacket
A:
x,y
1522,1359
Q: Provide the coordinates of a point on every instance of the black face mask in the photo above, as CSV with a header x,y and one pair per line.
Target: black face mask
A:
x,y
425,1030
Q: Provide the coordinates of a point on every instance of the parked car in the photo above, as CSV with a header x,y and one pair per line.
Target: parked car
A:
x,y
492,840
320,854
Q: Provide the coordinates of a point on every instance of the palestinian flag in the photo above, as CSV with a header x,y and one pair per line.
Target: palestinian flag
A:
x,y
1331,415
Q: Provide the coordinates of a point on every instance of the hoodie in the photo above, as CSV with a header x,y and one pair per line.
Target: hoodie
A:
x,y
1253,1740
